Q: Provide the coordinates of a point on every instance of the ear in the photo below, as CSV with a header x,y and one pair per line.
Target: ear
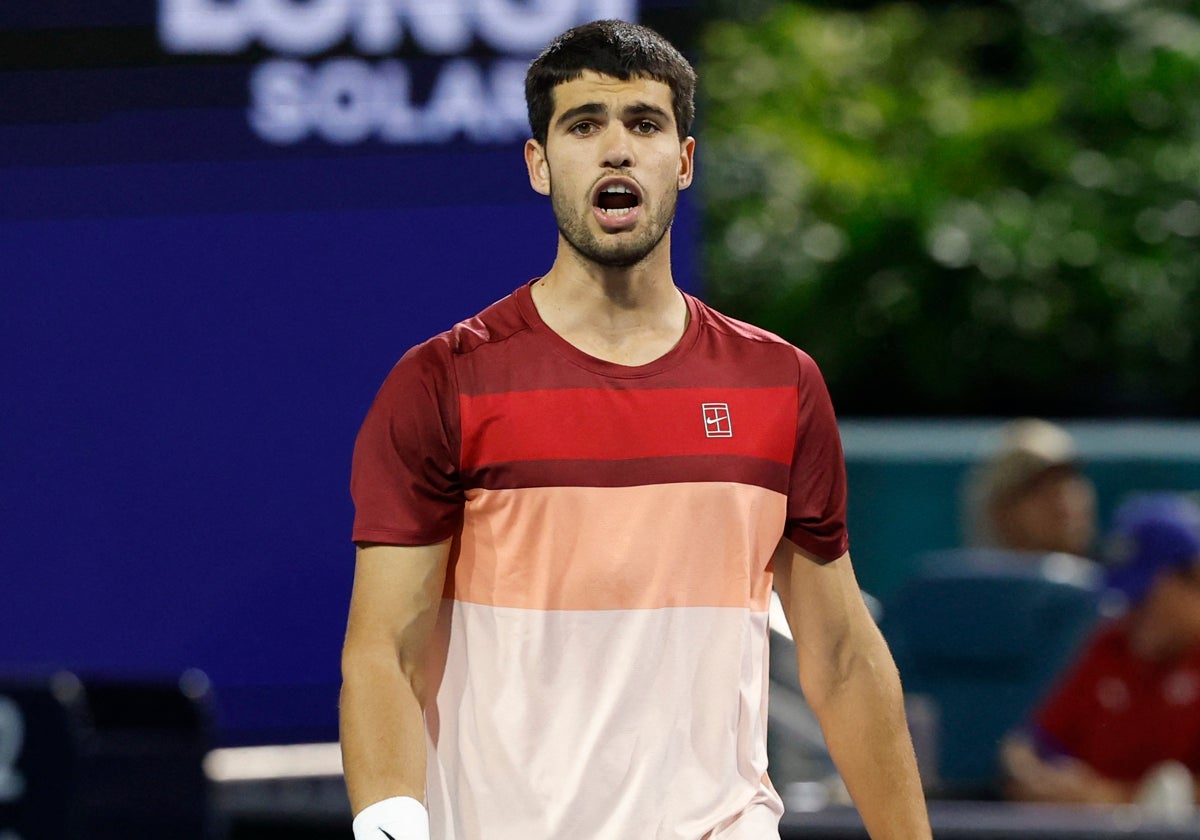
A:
x,y
687,162
538,166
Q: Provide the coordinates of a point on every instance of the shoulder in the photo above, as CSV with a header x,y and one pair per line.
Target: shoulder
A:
x,y
497,323
732,328
745,338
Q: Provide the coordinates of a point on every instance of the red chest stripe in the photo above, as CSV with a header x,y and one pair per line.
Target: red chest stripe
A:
x,y
611,424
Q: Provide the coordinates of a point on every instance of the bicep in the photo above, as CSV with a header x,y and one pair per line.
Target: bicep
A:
x,y
396,596
819,597
824,608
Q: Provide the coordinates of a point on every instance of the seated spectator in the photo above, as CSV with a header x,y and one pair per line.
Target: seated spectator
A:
x,y
1031,495
1123,723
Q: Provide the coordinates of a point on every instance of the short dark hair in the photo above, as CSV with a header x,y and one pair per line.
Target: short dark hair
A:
x,y
612,48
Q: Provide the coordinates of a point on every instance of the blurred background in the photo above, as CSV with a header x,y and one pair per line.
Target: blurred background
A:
x,y
222,221
1010,185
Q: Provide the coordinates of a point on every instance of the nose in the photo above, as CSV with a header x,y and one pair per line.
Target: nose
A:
x,y
618,150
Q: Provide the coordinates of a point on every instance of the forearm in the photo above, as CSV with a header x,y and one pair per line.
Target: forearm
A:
x,y
1031,778
862,716
382,731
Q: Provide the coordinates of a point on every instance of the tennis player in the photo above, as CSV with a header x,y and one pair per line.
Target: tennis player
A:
x,y
570,513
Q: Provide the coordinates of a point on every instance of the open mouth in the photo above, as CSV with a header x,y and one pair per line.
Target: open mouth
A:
x,y
616,200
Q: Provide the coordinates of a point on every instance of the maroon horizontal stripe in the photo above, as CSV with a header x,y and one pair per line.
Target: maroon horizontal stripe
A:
x,y
632,472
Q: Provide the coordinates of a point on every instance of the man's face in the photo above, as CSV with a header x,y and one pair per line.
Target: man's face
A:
x,y
1056,512
613,166
1174,603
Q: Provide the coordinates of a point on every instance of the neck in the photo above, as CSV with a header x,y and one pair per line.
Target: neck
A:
x,y
628,315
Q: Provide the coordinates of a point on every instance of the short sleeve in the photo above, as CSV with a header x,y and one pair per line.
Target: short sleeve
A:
x,y
404,476
816,513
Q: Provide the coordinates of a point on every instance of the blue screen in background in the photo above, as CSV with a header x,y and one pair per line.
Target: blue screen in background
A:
x,y
194,322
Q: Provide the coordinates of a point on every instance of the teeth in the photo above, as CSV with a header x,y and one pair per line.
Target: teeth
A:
x,y
617,188
622,211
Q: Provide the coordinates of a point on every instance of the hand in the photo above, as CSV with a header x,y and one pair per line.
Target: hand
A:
x,y
1062,779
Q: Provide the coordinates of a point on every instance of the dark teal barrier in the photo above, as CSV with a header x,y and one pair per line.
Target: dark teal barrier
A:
x,y
906,479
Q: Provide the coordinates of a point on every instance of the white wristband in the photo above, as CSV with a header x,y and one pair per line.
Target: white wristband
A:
x,y
397,818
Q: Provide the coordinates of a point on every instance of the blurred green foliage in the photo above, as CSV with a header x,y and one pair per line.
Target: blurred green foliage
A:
x,y
983,208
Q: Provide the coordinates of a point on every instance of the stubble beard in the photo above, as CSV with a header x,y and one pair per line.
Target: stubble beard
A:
x,y
622,250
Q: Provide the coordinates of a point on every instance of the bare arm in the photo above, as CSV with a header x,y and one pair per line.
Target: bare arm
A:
x,y
1031,778
850,680
393,612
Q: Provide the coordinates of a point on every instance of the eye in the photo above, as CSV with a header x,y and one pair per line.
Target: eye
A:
x,y
583,129
645,127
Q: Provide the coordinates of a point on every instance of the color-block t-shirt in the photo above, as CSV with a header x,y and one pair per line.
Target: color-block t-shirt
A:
x,y
603,634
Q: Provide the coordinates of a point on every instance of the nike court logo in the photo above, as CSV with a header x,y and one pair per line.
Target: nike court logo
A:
x,y
717,422
385,834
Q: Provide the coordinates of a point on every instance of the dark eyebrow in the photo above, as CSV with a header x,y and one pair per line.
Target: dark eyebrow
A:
x,y
589,109
645,109
592,109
